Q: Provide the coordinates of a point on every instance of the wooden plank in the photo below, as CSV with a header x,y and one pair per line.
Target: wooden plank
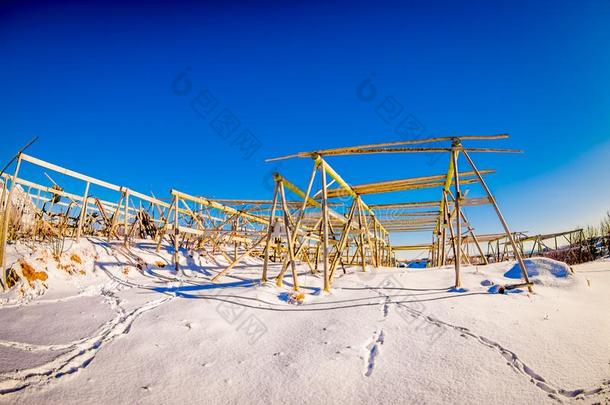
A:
x,y
218,206
68,172
411,247
364,190
334,151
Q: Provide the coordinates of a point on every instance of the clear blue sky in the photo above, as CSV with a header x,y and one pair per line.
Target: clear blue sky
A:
x,y
98,85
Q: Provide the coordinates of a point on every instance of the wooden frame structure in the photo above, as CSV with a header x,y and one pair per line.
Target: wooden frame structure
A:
x,y
187,221
314,228
448,220
572,251
315,232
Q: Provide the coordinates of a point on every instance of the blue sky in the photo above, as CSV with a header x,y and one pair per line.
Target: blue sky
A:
x,y
100,86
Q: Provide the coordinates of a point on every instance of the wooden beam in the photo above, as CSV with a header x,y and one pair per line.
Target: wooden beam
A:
x,y
336,151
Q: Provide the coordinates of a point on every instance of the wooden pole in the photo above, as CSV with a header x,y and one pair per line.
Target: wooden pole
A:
x,y
503,221
246,253
370,243
361,236
235,243
294,234
458,219
125,215
474,238
443,244
5,224
289,239
325,228
449,223
343,240
83,213
176,235
269,233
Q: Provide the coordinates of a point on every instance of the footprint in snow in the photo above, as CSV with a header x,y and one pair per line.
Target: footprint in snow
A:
x,y
373,349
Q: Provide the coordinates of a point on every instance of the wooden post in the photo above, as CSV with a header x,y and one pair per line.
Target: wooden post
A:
x,y
343,240
115,218
375,241
176,235
449,223
502,220
289,239
317,256
443,233
2,201
269,233
294,234
474,238
83,213
458,225
368,239
126,211
325,228
235,244
5,223
433,251
126,218
361,236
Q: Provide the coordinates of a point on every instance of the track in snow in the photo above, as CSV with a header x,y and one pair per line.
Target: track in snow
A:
x,y
78,355
554,391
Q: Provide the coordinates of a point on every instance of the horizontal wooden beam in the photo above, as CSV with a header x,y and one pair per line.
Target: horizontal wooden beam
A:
x,y
340,151
406,205
71,173
364,190
218,206
412,247
544,236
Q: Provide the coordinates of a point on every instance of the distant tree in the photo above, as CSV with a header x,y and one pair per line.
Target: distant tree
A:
x,y
591,232
591,237
605,230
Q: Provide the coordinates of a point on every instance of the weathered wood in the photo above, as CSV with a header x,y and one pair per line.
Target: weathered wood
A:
x,y
269,233
343,241
239,259
458,219
502,220
338,151
325,229
353,151
83,212
5,224
290,241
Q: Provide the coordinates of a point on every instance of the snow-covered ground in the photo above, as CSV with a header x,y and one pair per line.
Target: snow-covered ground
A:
x,y
120,326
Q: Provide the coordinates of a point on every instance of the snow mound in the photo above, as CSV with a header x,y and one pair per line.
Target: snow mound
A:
x,y
542,270
41,270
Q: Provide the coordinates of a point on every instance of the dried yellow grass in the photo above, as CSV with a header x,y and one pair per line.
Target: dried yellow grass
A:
x,y
76,258
31,274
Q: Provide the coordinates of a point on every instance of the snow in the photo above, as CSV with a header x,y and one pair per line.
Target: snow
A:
x,y
124,327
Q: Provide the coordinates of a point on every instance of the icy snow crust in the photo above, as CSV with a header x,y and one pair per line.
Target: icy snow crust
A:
x,y
117,325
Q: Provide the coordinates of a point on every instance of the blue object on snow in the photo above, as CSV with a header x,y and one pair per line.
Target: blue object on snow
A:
x,y
419,264
533,267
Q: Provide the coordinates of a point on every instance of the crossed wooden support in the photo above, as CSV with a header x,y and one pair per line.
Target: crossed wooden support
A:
x,y
447,228
335,235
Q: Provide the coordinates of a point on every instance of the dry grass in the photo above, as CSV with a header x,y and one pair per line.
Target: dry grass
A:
x,y
76,258
31,274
